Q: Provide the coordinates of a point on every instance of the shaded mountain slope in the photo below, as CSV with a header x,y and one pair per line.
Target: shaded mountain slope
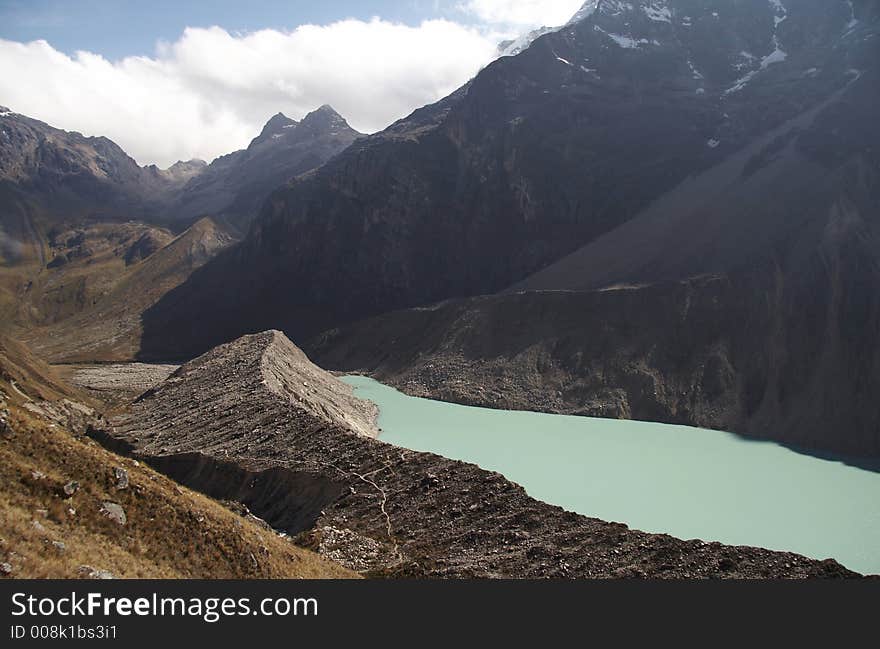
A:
x,y
748,353
777,337
537,156
64,196
71,176
85,263
806,187
68,176
108,327
234,187
78,217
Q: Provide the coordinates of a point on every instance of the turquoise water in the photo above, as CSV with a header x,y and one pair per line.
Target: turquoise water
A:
x,y
687,482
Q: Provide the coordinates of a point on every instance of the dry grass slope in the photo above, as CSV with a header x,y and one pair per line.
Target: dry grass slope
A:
x,y
170,532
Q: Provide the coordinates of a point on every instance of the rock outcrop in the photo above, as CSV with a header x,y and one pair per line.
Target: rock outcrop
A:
x,y
252,421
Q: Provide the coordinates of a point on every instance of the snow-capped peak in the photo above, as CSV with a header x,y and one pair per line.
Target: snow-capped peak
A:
x,y
522,43
587,10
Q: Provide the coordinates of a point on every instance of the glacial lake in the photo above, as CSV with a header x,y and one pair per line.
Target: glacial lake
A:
x,y
687,482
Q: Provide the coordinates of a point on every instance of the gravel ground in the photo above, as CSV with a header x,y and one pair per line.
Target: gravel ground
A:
x,y
119,381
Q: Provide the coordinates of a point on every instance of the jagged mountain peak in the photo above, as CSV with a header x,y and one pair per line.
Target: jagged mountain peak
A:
x,y
325,118
326,109
277,125
657,10
585,11
184,170
322,119
518,45
279,119
195,163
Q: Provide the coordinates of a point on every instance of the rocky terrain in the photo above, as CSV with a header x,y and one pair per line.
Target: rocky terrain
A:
x,y
537,156
107,326
115,384
84,263
758,166
67,176
50,174
727,352
74,510
89,239
253,421
744,299
234,187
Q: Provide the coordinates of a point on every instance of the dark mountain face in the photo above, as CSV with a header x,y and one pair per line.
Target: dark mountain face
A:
x,y
59,175
759,353
747,299
744,299
539,155
235,186
70,175
54,182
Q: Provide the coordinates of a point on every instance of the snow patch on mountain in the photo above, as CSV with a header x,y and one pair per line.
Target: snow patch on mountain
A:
x,y
587,10
778,55
853,21
523,42
658,12
626,42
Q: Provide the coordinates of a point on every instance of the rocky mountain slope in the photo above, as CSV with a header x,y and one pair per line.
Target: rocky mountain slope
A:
x,y
74,510
538,155
97,301
644,144
234,187
66,176
79,219
733,353
232,424
775,340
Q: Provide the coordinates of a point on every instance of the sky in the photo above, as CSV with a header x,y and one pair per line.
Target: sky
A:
x,y
173,80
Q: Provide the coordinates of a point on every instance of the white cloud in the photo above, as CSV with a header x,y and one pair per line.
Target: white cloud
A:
x,y
210,92
523,13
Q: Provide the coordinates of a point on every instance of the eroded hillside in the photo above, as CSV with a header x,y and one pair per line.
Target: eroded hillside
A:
x,y
238,423
71,509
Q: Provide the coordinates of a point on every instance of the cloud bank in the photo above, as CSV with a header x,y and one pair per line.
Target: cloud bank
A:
x,y
524,13
211,91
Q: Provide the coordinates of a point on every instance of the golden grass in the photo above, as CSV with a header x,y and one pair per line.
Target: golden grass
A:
x,y
171,532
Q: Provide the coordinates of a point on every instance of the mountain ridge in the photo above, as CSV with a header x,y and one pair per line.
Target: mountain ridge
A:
x,y
536,156
72,175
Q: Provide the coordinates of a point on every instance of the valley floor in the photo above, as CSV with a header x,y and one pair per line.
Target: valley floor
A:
x,y
116,383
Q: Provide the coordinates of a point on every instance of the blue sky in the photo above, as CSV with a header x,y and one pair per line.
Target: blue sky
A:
x,y
118,28
173,80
